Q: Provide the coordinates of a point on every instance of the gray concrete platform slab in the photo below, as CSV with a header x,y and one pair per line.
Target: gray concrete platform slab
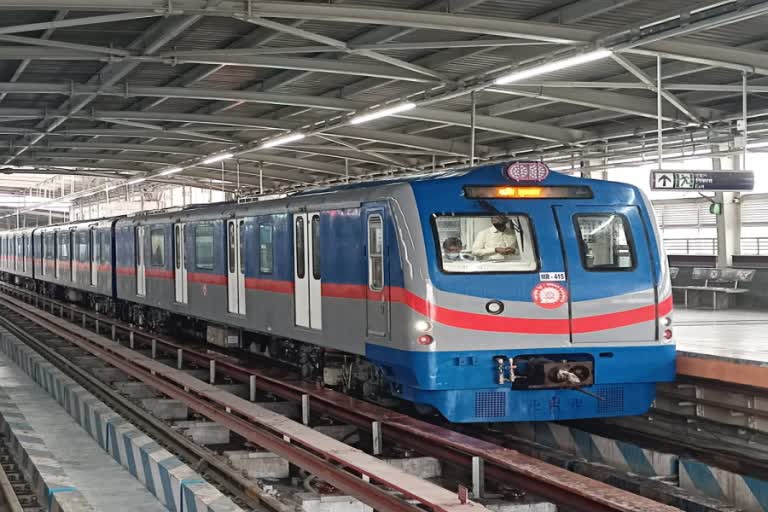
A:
x,y
102,481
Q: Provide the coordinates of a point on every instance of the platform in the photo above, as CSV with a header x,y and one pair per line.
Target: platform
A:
x,y
69,459
728,345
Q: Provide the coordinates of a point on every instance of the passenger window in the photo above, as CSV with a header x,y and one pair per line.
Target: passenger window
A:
x,y
300,264
106,250
231,237
82,246
604,242
241,234
265,248
375,253
316,246
96,255
157,246
177,245
204,246
63,246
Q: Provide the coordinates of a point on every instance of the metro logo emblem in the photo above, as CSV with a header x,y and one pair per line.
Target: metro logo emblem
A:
x,y
549,295
527,171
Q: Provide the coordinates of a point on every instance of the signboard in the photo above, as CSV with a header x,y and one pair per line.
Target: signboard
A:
x,y
703,180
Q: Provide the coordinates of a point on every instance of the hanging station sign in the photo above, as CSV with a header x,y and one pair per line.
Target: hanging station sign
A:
x,y
734,181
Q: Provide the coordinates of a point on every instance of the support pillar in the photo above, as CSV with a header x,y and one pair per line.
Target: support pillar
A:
x,y
729,221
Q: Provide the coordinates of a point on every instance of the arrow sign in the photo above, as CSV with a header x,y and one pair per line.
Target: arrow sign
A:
x,y
664,180
734,181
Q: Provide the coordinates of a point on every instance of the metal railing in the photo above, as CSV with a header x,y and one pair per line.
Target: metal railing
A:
x,y
703,246
750,246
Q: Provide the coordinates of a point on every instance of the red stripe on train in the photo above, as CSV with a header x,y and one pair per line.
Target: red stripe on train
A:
x,y
269,285
203,278
452,317
159,273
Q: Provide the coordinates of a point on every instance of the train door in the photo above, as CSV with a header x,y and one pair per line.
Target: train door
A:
x,y
307,277
17,261
236,266
180,264
377,291
609,267
141,276
93,256
72,256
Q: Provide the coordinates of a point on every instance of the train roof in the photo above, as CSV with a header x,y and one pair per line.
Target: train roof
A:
x,y
337,196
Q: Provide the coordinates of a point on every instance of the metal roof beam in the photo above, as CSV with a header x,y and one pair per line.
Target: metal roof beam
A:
x,y
423,20
25,63
412,141
342,45
671,98
581,10
87,49
500,125
76,22
149,42
616,102
314,65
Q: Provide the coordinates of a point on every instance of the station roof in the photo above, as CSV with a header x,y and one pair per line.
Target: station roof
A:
x,y
129,89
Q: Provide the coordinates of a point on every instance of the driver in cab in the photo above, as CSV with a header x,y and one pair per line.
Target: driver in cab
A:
x,y
497,242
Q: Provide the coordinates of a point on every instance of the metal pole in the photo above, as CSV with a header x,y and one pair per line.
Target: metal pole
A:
x,y
261,178
659,143
473,115
346,170
744,118
237,167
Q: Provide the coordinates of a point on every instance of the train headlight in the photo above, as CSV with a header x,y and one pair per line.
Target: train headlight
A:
x,y
667,321
422,325
494,307
667,334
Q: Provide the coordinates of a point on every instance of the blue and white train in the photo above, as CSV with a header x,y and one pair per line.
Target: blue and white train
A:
x,y
499,293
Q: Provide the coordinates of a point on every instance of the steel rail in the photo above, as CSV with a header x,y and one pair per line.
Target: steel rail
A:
x,y
232,480
500,464
323,464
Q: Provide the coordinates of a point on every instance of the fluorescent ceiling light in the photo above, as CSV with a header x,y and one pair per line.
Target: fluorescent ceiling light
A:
x,y
136,181
556,65
384,112
285,139
217,158
172,170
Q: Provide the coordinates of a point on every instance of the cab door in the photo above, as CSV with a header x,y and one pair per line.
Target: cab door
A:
x,y
179,264
236,266
610,274
377,291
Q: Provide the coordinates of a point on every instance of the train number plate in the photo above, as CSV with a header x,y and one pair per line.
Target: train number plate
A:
x,y
551,276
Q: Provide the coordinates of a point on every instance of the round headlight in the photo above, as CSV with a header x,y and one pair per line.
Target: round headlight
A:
x,y
494,307
422,325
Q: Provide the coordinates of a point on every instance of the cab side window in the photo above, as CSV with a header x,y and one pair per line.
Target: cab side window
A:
x,y
605,242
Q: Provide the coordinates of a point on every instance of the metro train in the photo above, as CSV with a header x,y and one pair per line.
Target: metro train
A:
x,y
499,293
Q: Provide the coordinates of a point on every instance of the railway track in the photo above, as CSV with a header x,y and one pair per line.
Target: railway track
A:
x,y
17,493
501,466
722,424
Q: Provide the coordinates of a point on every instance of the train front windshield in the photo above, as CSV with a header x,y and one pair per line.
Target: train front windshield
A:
x,y
485,243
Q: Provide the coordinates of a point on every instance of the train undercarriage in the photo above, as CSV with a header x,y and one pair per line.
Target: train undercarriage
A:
x,y
348,373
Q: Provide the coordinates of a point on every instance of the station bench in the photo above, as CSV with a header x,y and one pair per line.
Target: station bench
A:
x,y
721,283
